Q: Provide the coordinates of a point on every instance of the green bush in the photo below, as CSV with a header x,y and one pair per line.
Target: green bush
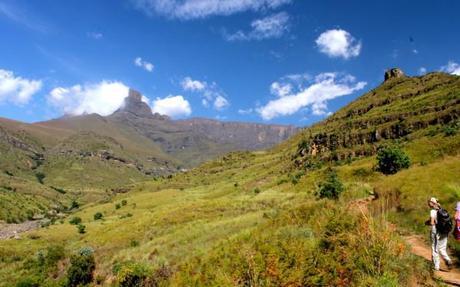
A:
x,y
134,243
117,206
124,202
75,220
74,205
450,130
131,274
81,268
28,282
81,228
391,159
332,187
98,215
40,177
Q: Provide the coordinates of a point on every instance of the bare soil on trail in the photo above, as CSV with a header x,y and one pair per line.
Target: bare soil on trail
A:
x,y
8,231
420,248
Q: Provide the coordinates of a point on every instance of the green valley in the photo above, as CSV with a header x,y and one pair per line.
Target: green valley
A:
x,y
261,217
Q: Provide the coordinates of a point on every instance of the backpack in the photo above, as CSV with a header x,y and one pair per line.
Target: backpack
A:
x,y
444,222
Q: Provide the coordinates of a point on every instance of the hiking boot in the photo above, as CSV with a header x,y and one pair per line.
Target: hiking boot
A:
x,y
449,265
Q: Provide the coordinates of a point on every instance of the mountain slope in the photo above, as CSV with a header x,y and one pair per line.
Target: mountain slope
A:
x,y
254,218
90,157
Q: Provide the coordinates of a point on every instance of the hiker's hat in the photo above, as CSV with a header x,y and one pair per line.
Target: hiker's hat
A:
x,y
434,200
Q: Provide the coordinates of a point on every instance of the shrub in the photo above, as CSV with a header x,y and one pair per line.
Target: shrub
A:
x,y
75,220
391,159
256,190
124,202
332,187
81,228
74,205
28,282
134,243
131,274
40,177
81,268
117,206
450,130
98,216
53,255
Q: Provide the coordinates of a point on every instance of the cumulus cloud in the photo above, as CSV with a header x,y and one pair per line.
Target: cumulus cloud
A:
x,y
323,88
144,64
273,26
338,43
173,106
210,93
451,68
196,9
17,90
102,98
188,84
422,71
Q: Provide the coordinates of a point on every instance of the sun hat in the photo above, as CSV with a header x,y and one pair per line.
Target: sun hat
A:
x,y
434,200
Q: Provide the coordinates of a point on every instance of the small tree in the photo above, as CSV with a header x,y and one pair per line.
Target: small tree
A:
x,y
40,177
332,187
75,220
81,228
391,159
98,216
81,268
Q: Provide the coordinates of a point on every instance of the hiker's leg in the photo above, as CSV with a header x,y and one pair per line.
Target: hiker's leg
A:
x,y
434,250
442,246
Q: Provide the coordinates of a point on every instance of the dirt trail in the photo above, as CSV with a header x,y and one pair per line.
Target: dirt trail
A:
x,y
420,248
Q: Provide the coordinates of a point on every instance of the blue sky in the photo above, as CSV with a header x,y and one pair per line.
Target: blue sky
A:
x,y
273,61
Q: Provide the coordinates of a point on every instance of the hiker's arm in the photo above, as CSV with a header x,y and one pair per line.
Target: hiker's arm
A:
x,y
432,221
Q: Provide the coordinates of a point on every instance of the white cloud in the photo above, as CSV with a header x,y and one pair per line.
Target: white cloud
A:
x,y
273,26
451,68
188,84
210,93
338,43
173,106
245,111
95,35
102,98
280,89
143,64
17,90
325,87
220,103
422,71
196,9
415,51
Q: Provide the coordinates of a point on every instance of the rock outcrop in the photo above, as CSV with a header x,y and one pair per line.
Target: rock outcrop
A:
x,y
393,73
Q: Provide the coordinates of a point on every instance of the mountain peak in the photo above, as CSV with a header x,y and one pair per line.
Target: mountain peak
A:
x,y
393,73
133,104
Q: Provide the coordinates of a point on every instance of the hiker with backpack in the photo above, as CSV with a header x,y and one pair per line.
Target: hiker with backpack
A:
x,y
441,226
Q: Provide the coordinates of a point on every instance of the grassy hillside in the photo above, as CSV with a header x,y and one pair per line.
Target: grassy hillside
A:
x,y
255,218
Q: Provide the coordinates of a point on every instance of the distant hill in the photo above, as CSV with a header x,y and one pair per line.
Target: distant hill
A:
x,y
91,156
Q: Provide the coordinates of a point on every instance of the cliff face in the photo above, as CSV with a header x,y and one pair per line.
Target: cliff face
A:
x,y
401,108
